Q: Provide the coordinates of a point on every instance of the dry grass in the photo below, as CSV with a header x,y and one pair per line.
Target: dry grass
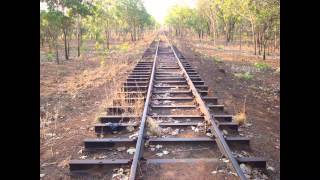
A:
x,y
72,93
241,117
227,53
48,123
132,104
153,127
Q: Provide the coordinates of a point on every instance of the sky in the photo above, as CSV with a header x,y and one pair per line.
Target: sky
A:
x,y
43,6
157,8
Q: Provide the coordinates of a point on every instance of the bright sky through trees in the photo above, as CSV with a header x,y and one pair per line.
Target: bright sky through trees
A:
x,y
159,8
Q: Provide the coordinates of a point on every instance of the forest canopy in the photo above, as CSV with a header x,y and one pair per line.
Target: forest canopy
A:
x,y
259,19
96,19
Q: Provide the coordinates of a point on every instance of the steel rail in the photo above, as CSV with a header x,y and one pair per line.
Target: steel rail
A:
x,y
224,148
140,141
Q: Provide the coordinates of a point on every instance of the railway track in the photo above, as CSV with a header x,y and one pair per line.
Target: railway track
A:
x,y
164,125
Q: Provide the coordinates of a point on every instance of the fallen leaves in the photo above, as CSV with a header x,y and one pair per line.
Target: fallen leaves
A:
x,y
131,150
134,136
165,152
83,157
175,132
158,146
64,163
48,164
270,168
122,148
130,128
159,154
120,174
209,134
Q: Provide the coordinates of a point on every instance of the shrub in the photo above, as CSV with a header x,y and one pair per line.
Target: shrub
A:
x,y
124,47
50,56
217,60
220,47
244,76
261,66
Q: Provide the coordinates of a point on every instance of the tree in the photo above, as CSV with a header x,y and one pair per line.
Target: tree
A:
x,y
230,17
51,24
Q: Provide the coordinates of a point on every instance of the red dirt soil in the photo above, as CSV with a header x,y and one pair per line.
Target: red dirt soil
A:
x,y
71,96
262,94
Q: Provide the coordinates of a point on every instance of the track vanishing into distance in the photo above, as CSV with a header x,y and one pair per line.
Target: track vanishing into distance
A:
x,y
163,125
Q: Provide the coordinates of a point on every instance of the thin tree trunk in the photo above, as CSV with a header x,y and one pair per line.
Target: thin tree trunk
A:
x,y
240,38
69,49
135,32
57,54
50,46
261,42
65,43
108,38
264,50
258,43
275,41
132,36
254,38
78,40
42,41
214,34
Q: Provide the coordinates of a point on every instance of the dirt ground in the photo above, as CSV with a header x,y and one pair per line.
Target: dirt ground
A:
x,y
262,93
72,94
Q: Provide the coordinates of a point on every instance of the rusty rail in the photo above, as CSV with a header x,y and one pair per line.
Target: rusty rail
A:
x,y
140,141
224,148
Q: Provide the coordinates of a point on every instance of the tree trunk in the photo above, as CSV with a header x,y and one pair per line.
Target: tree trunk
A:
x,y
42,41
69,49
264,50
78,40
258,43
132,36
57,54
254,38
208,30
261,42
275,41
65,43
134,32
214,34
50,45
108,38
240,38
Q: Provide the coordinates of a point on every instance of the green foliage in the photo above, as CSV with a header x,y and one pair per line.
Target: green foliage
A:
x,y
97,46
50,56
220,47
225,17
93,19
102,62
124,47
217,60
84,48
245,76
261,66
